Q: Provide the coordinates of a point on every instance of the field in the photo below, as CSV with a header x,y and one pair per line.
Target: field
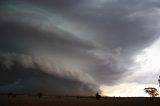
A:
x,y
76,101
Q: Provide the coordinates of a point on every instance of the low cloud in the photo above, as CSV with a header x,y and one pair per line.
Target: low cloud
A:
x,y
94,40
30,74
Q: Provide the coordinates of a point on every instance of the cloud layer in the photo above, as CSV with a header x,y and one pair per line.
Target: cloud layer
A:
x,y
28,74
97,40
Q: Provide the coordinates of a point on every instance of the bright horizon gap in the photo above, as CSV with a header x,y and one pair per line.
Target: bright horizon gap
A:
x,y
127,90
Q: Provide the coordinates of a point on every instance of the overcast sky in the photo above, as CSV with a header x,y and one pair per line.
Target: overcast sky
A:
x,y
79,47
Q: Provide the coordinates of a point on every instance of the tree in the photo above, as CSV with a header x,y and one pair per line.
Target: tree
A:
x,y
153,92
10,94
39,94
98,96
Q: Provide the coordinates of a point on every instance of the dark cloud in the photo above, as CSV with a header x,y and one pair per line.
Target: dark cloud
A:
x,y
97,37
112,23
23,73
25,37
56,5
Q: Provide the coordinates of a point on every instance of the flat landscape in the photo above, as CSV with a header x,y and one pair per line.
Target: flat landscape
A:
x,y
76,101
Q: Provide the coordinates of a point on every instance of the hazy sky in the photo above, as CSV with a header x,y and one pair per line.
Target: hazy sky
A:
x,y
79,47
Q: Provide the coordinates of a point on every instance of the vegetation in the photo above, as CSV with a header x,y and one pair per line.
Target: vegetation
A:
x,y
11,94
39,94
98,96
153,92
25,100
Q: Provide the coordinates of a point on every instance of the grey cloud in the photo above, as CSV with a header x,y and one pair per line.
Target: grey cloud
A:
x,y
39,74
30,23
56,5
27,38
115,30
116,26
72,51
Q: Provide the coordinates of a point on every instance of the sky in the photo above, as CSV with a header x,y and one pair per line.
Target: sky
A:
x,y
79,47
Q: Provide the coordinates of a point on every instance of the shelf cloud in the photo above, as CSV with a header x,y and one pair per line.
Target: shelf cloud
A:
x,y
76,46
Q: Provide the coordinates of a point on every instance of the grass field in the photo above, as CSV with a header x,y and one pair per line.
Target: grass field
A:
x,y
76,101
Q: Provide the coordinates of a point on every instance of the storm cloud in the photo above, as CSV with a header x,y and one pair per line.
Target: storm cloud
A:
x,y
97,40
29,74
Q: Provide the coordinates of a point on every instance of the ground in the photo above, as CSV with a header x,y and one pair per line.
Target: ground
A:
x,y
76,101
